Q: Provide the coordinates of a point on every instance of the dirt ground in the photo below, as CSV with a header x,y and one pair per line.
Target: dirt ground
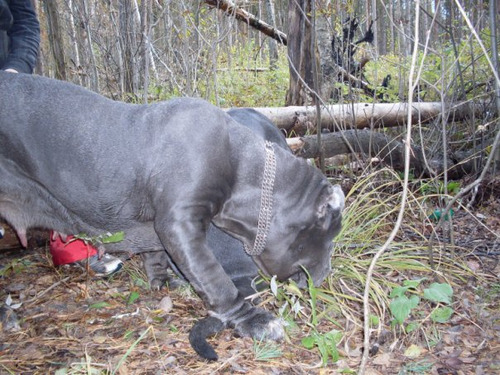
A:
x,y
70,322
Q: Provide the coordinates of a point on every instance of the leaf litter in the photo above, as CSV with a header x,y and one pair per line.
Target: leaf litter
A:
x,y
72,323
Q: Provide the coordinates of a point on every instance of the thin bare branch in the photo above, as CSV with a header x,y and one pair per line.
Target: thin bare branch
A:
x,y
242,15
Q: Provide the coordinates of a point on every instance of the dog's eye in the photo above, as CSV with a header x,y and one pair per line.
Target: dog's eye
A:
x,y
301,248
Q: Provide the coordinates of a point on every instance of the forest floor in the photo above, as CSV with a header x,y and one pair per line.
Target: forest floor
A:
x,y
72,323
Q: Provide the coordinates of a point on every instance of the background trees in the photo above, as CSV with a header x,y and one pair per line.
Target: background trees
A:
x,y
151,50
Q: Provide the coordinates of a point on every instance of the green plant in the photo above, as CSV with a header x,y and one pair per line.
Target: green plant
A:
x,y
266,350
100,239
403,305
438,187
420,367
293,303
490,293
15,266
133,296
326,344
373,203
129,350
99,305
135,270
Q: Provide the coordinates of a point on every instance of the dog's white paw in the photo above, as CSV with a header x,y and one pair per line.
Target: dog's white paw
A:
x,y
261,325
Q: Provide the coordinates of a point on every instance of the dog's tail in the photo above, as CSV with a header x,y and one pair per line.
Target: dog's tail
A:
x,y
199,333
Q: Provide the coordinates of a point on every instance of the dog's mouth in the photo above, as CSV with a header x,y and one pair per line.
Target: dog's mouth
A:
x,y
300,278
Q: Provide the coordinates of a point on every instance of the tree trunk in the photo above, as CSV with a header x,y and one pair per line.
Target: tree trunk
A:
x,y
273,45
56,39
94,82
74,44
329,71
494,52
144,21
299,53
128,47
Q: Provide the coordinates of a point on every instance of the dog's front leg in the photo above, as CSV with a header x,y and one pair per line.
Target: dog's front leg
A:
x,y
186,244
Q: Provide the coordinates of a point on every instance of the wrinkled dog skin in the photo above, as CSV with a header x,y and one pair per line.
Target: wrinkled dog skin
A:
x,y
74,161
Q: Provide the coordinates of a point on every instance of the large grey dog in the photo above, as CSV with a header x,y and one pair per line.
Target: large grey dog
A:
x,y
229,252
74,161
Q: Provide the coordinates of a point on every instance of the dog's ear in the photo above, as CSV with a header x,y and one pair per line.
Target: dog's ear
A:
x,y
331,200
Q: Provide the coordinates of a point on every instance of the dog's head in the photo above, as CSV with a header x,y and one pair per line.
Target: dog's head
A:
x,y
301,237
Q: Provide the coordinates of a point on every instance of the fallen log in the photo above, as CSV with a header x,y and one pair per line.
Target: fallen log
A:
x,y
363,115
389,151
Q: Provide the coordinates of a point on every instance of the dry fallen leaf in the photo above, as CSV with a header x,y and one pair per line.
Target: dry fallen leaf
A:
x,y
383,359
166,304
413,351
99,339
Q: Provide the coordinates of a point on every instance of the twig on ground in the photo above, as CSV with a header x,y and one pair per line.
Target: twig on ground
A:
x,y
41,294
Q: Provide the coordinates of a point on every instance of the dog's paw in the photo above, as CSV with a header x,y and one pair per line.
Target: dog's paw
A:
x,y
157,283
260,325
157,280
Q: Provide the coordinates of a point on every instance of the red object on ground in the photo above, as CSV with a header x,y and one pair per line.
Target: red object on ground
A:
x,y
69,252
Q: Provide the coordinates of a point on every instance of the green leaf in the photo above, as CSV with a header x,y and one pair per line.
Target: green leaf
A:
x,y
133,296
323,350
115,237
453,187
400,308
334,336
346,371
308,342
442,314
414,301
439,293
412,326
374,320
398,291
99,305
413,283
326,344
436,215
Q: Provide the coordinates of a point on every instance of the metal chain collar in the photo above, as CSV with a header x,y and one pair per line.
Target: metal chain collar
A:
x,y
266,202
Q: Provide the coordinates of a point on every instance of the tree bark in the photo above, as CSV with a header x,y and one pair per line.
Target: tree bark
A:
x,y
242,15
74,44
494,54
273,46
145,14
362,115
300,53
55,39
94,80
128,46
